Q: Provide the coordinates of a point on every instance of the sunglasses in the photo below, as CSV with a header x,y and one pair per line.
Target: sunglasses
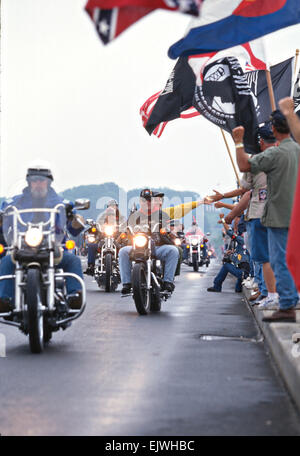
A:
x,y
37,179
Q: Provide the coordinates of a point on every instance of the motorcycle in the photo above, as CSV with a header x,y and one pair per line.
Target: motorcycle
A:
x,y
193,245
205,254
36,248
147,272
107,272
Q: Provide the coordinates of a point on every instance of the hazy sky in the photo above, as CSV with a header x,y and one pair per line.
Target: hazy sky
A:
x,y
69,99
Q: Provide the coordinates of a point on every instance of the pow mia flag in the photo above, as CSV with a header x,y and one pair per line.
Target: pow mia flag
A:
x,y
281,75
224,97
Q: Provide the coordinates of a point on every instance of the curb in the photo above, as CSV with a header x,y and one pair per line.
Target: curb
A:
x,y
286,353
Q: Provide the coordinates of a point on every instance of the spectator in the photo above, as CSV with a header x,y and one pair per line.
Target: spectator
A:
x,y
235,261
280,164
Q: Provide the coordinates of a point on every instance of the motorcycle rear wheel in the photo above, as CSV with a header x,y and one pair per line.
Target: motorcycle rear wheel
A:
x,y
35,314
141,296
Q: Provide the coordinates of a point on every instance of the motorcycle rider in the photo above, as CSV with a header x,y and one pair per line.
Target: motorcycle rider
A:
x,y
165,250
40,194
110,216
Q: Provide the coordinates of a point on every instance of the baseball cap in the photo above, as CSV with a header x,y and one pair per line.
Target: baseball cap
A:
x,y
266,133
158,194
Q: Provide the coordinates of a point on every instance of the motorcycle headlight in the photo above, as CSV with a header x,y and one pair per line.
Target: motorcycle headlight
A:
x,y
201,246
209,253
33,237
194,242
91,239
109,230
177,241
140,240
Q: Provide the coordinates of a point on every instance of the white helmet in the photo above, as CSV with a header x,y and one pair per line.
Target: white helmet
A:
x,y
39,168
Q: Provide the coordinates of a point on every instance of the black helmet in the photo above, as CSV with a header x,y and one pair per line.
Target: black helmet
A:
x,y
39,169
146,193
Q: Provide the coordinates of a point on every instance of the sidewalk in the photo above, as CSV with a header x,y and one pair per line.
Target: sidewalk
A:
x,y
286,353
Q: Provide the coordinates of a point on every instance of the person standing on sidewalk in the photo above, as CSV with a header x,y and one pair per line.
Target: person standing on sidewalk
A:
x,y
257,233
280,164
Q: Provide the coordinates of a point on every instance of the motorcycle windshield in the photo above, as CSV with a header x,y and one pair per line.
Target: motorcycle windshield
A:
x,y
36,223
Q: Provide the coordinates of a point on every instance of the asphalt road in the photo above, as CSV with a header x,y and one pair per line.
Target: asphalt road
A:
x,y
117,373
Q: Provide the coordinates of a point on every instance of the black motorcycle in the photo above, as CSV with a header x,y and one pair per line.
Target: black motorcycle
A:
x,y
40,304
107,272
147,272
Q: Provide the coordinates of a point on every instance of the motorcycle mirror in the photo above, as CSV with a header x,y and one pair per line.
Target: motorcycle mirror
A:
x,y
82,204
208,234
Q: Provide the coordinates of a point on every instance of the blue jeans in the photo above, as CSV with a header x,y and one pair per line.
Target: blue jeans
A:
x,y
185,252
69,263
167,254
228,267
285,286
259,278
92,250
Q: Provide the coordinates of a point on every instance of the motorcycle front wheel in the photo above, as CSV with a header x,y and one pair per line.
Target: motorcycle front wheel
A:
x,y
108,272
141,296
34,311
195,262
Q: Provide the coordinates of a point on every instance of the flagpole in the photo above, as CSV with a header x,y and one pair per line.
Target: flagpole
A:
x,y
270,90
230,156
294,78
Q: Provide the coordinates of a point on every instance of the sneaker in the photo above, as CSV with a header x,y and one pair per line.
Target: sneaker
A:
x,y
126,288
213,289
168,286
269,304
74,300
251,284
5,305
258,300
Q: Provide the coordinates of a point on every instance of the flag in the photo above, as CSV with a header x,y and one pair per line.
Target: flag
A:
x,y
112,17
227,23
173,102
228,96
281,76
223,96
293,244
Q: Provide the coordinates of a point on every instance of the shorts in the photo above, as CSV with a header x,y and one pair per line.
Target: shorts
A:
x,y
259,241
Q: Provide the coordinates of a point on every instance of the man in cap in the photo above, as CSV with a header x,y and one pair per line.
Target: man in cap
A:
x,y
40,194
280,163
257,233
151,215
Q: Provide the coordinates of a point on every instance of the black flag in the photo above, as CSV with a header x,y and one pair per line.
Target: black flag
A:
x,y
224,97
176,97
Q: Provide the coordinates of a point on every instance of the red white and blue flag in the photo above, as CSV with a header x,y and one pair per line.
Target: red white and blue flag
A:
x,y
112,17
227,23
